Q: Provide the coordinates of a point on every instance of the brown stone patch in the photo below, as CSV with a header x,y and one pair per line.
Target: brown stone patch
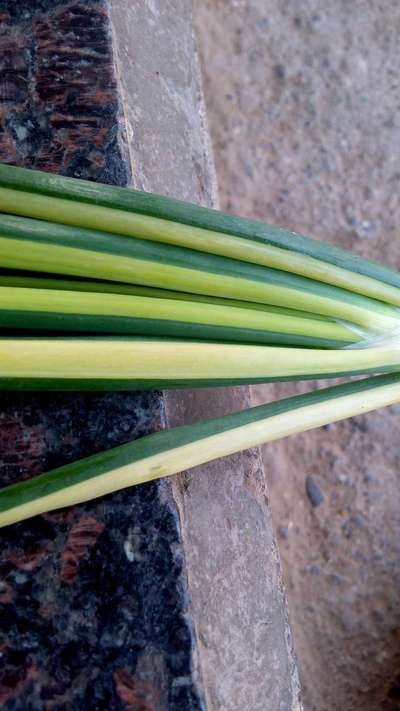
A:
x,y
81,539
29,560
21,448
12,682
7,594
136,695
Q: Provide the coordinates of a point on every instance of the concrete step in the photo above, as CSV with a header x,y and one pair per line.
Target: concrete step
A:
x,y
168,596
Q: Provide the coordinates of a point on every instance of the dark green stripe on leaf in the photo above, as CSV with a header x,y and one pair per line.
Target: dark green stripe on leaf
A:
x,y
186,213
88,241
85,469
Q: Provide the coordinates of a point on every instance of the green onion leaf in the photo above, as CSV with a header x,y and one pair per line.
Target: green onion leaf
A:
x,y
62,310
138,214
135,363
168,452
34,245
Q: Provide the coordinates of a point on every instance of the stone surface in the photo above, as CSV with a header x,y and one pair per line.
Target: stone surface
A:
x,y
59,106
238,604
95,608
234,572
302,100
93,599
162,99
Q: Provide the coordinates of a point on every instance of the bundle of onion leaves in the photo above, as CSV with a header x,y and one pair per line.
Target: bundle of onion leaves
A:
x,y
105,288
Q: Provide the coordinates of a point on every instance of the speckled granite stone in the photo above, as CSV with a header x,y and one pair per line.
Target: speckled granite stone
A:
x,y
92,599
58,91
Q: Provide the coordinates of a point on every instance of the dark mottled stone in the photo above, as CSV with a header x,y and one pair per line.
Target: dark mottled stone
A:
x,y
93,606
70,631
313,492
58,100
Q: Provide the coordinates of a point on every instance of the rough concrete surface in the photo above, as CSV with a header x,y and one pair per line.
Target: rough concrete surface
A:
x,y
303,105
238,604
235,573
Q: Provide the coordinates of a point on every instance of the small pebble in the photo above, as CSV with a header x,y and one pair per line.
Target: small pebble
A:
x,y
314,569
283,532
313,492
343,478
